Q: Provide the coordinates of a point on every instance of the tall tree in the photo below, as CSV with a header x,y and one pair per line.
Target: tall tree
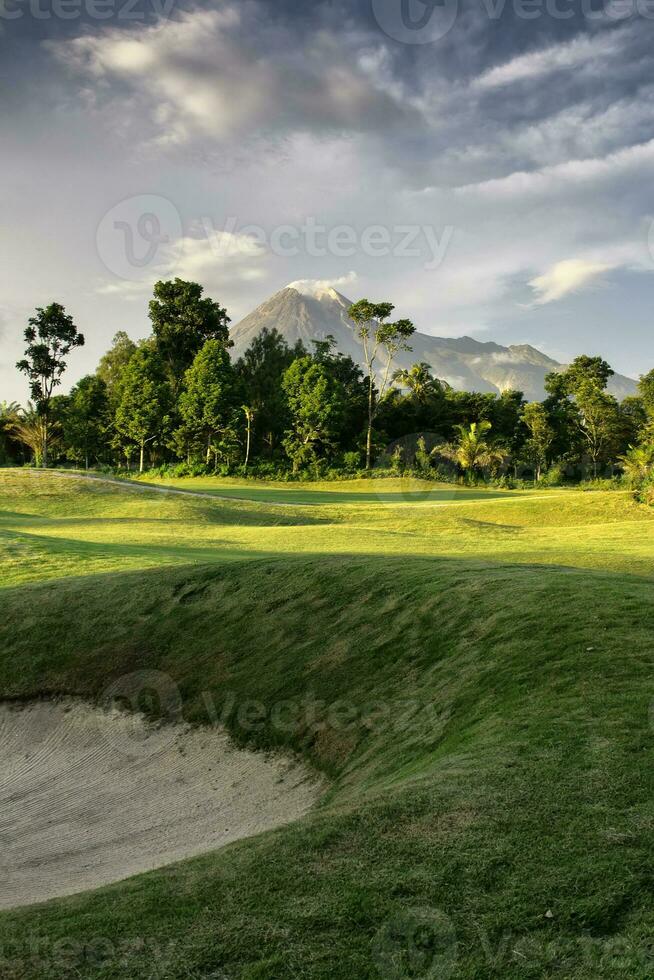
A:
x,y
646,391
599,421
182,321
85,420
250,414
142,417
209,402
316,401
261,368
541,436
111,369
50,337
377,335
349,375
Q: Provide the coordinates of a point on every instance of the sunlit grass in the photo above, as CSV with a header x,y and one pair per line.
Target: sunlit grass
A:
x,y
516,797
52,526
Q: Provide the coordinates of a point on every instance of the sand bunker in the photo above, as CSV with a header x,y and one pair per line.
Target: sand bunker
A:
x,y
89,797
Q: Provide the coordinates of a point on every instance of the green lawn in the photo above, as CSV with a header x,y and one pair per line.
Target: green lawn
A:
x,y
473,671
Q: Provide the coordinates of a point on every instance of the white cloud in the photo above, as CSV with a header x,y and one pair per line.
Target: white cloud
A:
x,y
217,260
316,287
574,174
563,278
537,64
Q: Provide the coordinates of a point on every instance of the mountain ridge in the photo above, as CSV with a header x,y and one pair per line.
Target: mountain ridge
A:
x,y
308,311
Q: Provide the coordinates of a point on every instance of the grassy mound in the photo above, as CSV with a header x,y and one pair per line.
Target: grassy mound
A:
x,y
485,722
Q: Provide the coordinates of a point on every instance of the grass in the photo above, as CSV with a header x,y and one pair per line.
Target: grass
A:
x,y
473,673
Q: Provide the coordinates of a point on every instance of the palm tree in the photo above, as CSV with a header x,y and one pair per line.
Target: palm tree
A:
x,y
9,414
420,381
472,451
638,462
8,411
33,430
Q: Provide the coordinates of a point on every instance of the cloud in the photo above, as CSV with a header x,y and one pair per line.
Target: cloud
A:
x,y
236,71
315,287
559,57
563,278
216,259
575,174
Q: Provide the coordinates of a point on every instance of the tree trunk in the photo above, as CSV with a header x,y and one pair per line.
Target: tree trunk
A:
x,y
208,449
86,462
247,446
44,458
370,418
142,457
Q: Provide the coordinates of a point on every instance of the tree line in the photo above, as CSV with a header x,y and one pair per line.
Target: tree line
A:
x,y
179,399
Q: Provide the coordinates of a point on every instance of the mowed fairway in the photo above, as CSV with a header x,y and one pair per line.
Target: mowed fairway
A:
x,y
473,672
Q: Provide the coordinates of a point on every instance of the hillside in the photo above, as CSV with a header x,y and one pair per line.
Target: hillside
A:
x,y
490,767
302,312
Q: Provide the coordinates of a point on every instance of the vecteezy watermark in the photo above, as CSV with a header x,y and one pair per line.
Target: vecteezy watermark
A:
x,y
150,693
100,10
417,942
309,716
413,458
140,233
30,956
143,236
427,21
317,240
415,21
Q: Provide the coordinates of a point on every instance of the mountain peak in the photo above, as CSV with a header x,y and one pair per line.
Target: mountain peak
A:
x,y
313,309
313,289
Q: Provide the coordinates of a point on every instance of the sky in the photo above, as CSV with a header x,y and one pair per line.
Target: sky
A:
x,y
486,166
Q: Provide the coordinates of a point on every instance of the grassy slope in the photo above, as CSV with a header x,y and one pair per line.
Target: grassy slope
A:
x,y
519,783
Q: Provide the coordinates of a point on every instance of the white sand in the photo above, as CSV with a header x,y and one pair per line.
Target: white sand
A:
x,y
88,796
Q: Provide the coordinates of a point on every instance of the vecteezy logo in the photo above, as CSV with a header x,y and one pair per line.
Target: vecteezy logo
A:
x,y
139,235
415,21
136,697
419,943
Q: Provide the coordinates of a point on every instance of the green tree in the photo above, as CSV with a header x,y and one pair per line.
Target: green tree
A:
x,y
646,392
261,369
377,335
316,401
85,420
582,370
111,369
9,416
209,402
472,450
598,421
349,375
31,429
541,436
142,417
420,382
582,433
182,321
50,337
638,462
